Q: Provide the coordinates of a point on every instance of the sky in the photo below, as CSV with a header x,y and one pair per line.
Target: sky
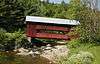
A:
x,y
58,1
99,4
67,1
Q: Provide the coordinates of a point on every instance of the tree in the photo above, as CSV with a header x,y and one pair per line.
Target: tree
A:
x,y
73,9
15,11
90,24
11,11
89,19
61,10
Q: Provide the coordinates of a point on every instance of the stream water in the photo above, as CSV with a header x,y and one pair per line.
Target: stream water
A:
x,y
11,58
36,60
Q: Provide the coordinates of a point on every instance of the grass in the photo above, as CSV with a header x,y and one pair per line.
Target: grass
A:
x,y
94,49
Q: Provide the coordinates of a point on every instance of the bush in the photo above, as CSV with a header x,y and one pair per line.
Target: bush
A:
x,y
75,43
10,41
80,58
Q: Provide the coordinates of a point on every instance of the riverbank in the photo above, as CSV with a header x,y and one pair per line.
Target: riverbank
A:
x,y
48,52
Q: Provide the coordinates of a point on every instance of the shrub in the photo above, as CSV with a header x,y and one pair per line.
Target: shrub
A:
x,y
10,41
73,43
80,58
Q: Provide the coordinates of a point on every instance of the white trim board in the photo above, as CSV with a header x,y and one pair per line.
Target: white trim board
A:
x,y
52,20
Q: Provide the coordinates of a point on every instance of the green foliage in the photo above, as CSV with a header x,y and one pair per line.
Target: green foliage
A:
x,y
89,19
89,29
13,12
77,46
74,43
10,41
77,55
30,7
53,10
79,58
12,17
19,38
10,13
73,9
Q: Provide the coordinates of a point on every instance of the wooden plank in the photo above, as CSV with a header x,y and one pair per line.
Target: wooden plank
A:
x,y
51,36
28,29
33,27
56,28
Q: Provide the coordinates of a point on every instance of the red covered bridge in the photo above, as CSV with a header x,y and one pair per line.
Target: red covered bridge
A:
x,y
40,27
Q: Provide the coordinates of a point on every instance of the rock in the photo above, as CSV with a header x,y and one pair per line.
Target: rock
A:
x,y
48,48
25,52
56,52
31,52
48,45
61,42
37,53
51,53
22,50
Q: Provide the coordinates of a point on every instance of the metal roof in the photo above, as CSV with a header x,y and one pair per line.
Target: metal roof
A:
x,y
52,20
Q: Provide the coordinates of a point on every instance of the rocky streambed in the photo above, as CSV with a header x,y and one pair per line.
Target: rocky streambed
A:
x,y
43,55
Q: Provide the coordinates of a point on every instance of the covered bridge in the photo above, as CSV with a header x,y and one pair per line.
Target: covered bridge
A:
x,y
40,27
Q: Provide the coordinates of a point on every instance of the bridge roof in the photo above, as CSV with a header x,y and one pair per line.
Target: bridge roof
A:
x,y
52,20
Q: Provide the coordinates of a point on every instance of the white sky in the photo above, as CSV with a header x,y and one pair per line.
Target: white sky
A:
x,y
58,1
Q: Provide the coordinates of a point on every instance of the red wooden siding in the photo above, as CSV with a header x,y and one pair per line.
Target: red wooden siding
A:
x,y
32,29
51,36
56,28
